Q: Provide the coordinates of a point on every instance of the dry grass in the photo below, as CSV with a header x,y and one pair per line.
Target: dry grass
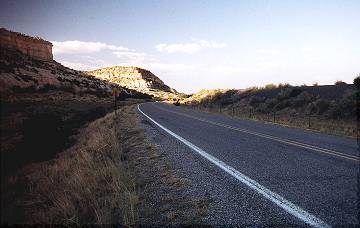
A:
x,y
336,127
92,182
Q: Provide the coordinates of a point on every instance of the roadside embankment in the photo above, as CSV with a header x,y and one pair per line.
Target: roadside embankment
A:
x,y
89,183
112,174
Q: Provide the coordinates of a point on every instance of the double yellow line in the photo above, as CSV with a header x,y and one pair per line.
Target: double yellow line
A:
x,y
275,138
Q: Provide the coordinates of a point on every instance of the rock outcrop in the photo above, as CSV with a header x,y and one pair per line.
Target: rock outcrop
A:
x,y
33,47
26,67
132,77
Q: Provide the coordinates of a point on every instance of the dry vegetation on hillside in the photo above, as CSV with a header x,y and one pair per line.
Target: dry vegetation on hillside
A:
x,y
90,183
111,175
331,109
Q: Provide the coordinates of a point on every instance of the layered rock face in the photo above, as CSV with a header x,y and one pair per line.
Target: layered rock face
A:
x,y
27,66
33,47
132,78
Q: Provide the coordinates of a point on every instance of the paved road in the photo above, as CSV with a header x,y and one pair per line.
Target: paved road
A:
x,y
261,173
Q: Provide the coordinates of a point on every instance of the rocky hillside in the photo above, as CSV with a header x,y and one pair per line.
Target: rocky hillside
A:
x,y
27,66
21,74
135,78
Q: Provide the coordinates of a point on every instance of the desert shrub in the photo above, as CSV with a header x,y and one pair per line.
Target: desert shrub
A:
x,y
357,81
289,93
310,108
285,85
99,92
347,103
252,89
281,105
18,89
6,68
66,86
254,100
270,86
301,100
27,78
321,106
228,97
271,103
46,88
339,82
262,108
139,95
60,79
76,82
335,111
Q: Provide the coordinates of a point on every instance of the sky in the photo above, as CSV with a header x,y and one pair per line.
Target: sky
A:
x,y
193,45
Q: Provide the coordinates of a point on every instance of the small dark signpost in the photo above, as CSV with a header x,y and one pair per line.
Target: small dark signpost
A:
x,y
115,93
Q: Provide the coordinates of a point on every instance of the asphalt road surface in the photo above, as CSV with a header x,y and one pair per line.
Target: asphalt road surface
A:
x,y
261,173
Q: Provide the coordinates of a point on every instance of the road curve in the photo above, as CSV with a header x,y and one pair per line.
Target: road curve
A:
x,y
304,177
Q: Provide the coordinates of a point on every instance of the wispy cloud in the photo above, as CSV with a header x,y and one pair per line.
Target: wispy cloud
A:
x,y
80,47
77,65
169,66
189,48
132,57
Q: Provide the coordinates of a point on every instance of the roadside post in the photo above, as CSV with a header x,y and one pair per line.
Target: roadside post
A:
x,y
274,116
115,93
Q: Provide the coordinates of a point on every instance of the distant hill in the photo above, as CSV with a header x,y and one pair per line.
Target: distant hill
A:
x,y
137,79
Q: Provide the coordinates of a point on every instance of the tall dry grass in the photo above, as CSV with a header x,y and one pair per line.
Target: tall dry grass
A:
x,y
92,182
317,123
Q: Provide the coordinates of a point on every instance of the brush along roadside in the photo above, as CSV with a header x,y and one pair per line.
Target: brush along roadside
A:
x,y
317,123
90,183
112,175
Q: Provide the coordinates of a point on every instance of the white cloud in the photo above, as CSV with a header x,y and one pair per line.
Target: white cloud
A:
x,y
188,48
165,67
136,57
77,65
79,47
269,51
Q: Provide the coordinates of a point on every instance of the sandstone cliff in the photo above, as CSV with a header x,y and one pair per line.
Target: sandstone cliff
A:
x,y
33,47
132,78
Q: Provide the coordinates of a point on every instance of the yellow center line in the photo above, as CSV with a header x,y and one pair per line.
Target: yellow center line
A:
x,y
275,138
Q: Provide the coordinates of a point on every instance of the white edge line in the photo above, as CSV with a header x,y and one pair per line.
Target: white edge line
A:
x,y
272,196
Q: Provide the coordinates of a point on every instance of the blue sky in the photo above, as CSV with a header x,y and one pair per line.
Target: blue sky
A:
x,y
192,45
